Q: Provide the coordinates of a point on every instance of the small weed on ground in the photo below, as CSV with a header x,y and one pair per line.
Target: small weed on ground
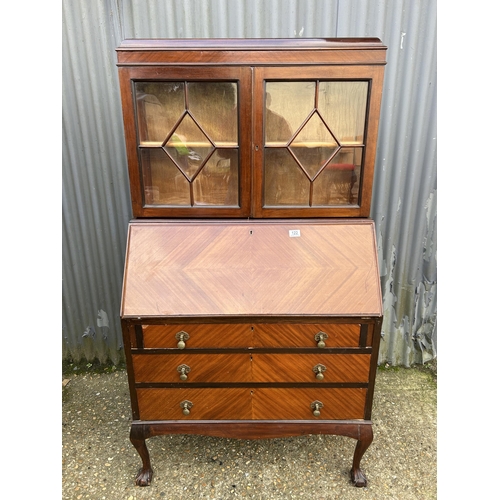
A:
x,y
430,368
70,367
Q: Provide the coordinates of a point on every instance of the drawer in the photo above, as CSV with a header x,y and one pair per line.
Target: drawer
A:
x,y
197,367
304,367
200,336
303,335
207,404
238,367
295,404
243,335
247,403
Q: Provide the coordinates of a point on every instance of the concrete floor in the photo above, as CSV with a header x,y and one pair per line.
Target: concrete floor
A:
x,y
99,462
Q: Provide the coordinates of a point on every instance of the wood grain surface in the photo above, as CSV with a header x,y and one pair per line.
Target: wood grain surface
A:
x,y
251,51
210,404
200,336
203,367
238,367
291,404
288,335
246,403
297,368
247,269
246,335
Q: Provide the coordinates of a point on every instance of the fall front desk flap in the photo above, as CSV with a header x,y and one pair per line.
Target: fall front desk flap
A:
x,y
243,268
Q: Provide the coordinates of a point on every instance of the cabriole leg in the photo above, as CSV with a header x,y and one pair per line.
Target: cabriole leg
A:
x,y
138,439
364,440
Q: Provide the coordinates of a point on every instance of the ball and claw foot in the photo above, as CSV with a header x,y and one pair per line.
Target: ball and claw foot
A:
x,y
144,477
358,478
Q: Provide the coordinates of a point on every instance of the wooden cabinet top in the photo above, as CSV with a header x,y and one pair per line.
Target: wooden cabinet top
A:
x,y
259,128
251,270
252,51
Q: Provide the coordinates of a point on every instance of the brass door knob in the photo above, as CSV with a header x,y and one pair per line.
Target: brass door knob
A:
x,y
319,370
320,338
186,407
183,370
316,407
181,336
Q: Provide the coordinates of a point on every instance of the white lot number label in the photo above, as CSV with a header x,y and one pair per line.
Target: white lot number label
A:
x,y
294,233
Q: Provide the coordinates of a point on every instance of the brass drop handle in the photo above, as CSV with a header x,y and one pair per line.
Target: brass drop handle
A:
x,y
320,338
316,407
181,336
186,407
183,370
319,370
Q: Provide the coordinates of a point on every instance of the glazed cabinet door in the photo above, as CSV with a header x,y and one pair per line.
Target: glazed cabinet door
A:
x,y
313,153
188,140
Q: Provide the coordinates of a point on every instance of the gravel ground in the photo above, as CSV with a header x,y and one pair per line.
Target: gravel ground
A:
x,y
99,462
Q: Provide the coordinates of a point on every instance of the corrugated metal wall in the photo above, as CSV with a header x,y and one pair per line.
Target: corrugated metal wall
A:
x,y
96,205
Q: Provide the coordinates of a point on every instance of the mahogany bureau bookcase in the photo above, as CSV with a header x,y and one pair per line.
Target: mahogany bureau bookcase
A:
x,y
251,303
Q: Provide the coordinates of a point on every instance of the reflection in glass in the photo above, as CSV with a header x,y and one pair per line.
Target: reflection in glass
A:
x,y
213,105
188,146
338,183
188,140
310,132
163,182
288,104
217,183
343,106
314,145
285,182
159,106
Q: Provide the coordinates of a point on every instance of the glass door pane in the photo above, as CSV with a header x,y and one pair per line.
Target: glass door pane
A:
x,y
314,134
288,104
343,107
159,105
188,142
338,183
285,182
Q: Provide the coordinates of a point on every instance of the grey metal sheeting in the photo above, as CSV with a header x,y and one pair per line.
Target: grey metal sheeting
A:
x,y
96,200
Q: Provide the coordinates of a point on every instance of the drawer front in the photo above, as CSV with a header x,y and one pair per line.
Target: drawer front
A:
x,y
195,367
241,335
239,367
287,335
207,404
295,404
320,368
250,404
200,336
